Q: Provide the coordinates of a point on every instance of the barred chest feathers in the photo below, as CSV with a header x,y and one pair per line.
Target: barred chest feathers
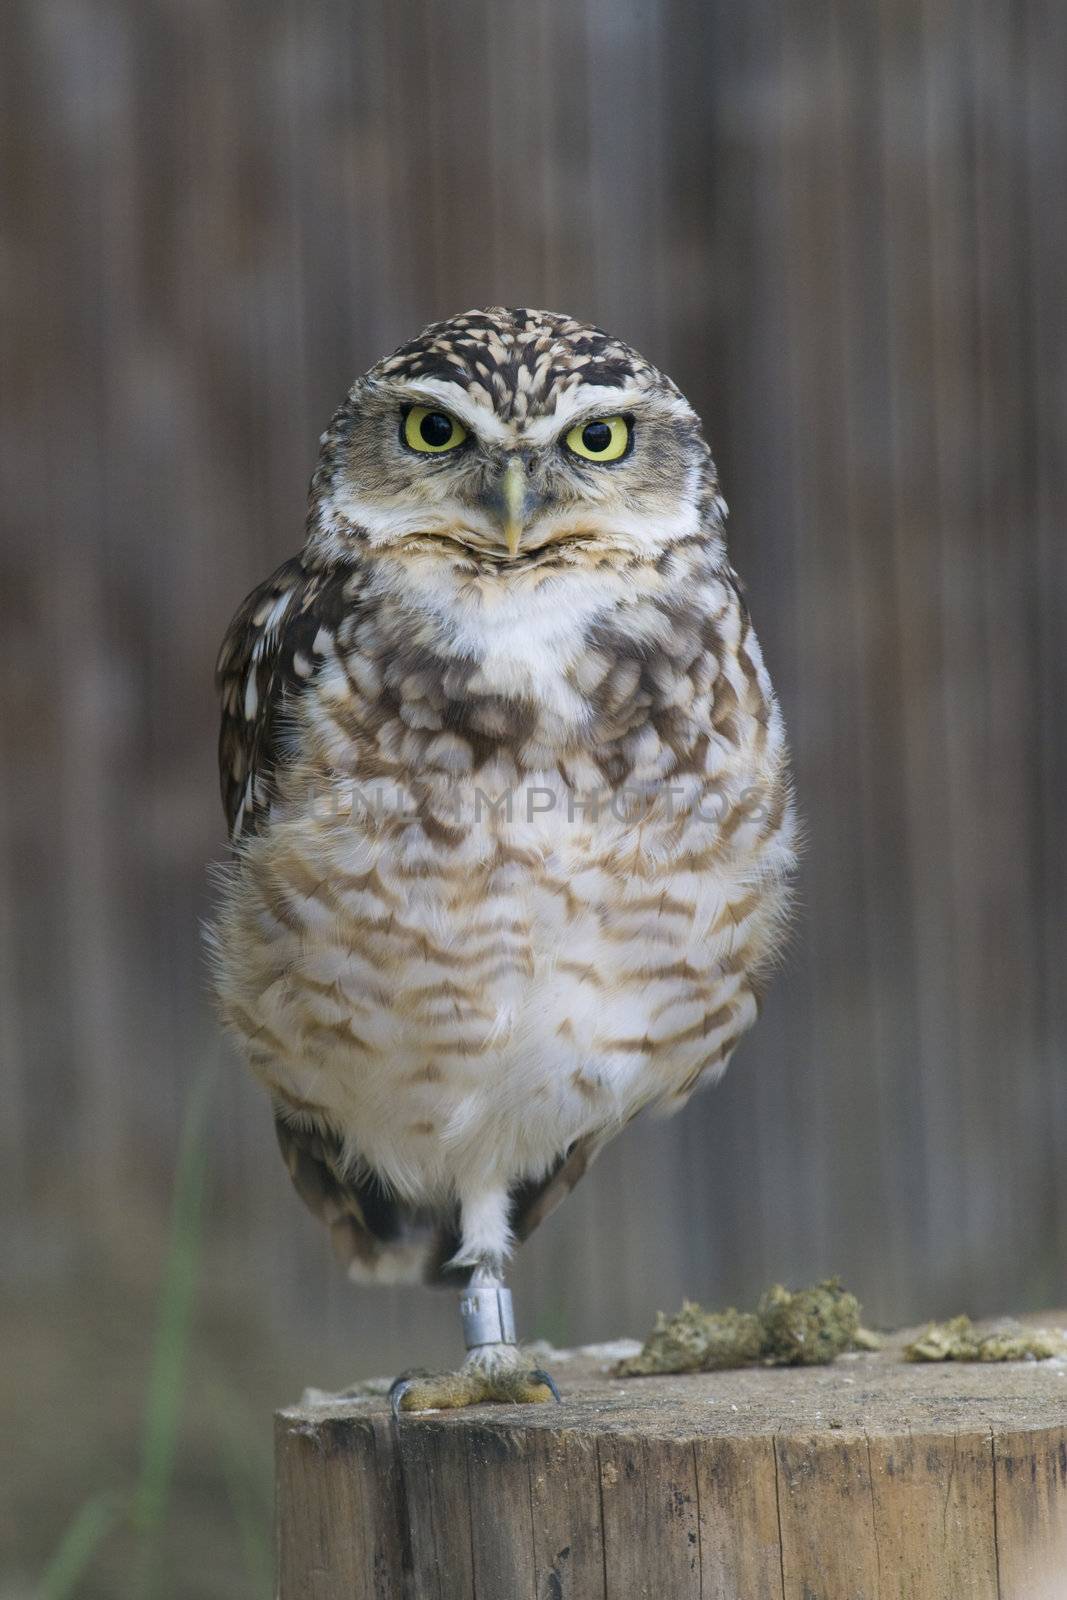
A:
x,y
524,867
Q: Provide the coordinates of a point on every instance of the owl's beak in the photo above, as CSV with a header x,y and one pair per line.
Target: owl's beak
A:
x,y
514,490
511,497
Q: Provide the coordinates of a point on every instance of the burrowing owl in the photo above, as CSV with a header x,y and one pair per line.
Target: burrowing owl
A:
x,y
509,796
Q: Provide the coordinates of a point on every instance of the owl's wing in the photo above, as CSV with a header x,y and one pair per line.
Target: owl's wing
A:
x,y
268,658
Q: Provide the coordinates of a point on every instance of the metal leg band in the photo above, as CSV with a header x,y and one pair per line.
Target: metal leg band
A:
x,y
485,1310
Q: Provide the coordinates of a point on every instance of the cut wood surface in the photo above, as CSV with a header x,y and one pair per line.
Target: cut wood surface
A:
x,y
872,1479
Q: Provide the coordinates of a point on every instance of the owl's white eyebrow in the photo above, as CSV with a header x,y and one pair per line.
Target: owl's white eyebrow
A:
x,y
590,400
452,398
586,400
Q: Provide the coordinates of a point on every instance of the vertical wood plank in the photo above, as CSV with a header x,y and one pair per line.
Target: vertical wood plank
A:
x,y
337,1533
1043,247
829,1541
651,1524
934,1517
437,1499
568,1537
1031,1513
501,1523
740,1549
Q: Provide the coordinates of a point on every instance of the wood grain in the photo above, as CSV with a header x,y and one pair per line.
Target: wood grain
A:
x,y
651,1523
740,1536
437,1496
828,1539
1031,1490
870,1480
935,1515
332,1477
567,1518
501,1516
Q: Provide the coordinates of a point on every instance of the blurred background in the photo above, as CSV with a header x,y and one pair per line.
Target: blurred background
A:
x,y
841,227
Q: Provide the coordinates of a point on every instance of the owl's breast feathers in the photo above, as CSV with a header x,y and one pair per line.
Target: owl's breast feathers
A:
x,y
381,969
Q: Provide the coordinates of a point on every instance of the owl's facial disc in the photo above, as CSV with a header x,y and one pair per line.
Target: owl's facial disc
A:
x,y
513,440
507,487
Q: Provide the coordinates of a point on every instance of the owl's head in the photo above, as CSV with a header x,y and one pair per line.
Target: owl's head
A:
x,y
503,441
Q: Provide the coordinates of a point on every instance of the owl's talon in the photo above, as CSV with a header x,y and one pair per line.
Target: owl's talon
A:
x,y
397,1391
539,1375
521,1386
402,1383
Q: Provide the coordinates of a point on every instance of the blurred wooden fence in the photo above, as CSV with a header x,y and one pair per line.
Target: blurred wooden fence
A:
x,y
842,228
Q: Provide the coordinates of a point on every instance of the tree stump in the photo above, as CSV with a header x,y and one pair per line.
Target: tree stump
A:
x,y
869,1479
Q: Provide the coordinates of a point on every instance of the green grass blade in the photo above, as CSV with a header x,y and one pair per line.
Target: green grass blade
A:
x,y
84,1535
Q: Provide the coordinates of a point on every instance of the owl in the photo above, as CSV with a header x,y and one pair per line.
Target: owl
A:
x,y
510,805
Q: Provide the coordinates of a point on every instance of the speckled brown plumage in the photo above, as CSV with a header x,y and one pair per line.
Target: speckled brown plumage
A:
x,y
509,798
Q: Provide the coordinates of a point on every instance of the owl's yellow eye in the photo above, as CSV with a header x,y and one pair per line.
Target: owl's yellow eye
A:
x,y
432,432
605,439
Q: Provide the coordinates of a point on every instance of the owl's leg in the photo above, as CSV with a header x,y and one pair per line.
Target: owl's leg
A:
x,y
495,1369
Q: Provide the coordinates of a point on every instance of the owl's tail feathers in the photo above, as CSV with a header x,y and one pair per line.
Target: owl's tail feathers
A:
x,y
376,1238
380,1239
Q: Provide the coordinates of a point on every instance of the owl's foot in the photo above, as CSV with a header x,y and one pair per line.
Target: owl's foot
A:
x,y
496,1371
474,1384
